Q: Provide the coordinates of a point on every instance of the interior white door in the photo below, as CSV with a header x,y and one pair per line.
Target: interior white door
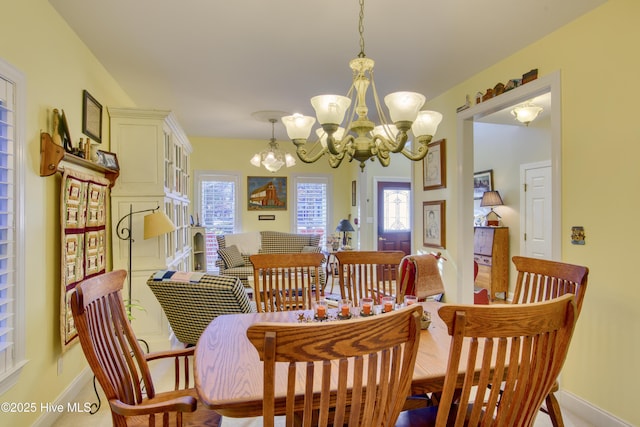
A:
x,y
536,210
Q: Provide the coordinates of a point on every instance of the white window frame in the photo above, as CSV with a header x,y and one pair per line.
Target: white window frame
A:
x,y
311,178
15,360
207,175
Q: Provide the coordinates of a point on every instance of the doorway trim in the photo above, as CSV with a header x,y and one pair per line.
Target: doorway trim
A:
x,y
549,83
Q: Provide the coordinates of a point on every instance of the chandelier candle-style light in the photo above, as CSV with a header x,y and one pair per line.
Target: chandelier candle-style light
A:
x,y
273,158
361,139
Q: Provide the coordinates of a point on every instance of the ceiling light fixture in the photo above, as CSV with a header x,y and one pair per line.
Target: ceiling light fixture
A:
x,y
273,158
526,113
361,139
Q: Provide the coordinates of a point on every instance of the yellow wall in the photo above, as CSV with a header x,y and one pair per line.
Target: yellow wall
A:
x,y
57,66
598,61
232,155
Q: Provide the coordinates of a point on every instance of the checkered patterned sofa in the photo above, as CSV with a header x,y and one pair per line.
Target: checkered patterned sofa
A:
x,y
191,300
271,242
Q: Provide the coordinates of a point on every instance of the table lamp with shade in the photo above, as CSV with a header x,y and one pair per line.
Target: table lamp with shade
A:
x,y
155,224
491,199
345,227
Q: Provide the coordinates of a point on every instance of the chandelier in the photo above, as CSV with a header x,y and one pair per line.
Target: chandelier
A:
x,y
361,139
273,158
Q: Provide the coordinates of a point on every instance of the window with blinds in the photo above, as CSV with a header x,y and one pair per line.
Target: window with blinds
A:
x,y
217,206
11,226
312,205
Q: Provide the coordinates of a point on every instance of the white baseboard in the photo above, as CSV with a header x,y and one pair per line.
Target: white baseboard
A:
x,y
585,410
68,396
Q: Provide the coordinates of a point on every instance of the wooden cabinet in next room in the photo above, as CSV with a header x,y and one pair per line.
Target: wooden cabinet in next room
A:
x,y
491,252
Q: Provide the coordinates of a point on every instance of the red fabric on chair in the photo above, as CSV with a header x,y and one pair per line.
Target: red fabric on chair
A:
x,y
480,296
419,275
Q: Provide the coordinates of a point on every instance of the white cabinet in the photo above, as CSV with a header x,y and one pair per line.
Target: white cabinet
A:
x,y
199,248
153,153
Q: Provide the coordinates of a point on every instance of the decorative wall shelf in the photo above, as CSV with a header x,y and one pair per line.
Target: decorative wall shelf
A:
x,y
52,154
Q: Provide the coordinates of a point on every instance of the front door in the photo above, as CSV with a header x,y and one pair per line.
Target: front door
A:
x,y
394,216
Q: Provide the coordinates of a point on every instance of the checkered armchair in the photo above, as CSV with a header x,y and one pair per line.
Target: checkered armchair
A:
x,y
271,242
192,300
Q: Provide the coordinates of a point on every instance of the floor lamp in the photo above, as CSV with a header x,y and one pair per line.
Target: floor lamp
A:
x,y
155,224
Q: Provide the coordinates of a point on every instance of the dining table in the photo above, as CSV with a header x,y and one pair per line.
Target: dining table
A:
x,y
229,373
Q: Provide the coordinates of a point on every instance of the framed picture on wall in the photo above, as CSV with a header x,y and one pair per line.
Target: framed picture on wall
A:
x,y
433,224
107,159
91,117
482,181
434,166
267,193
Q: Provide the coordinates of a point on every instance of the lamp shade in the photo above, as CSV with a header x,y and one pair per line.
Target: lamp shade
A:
x,y
491,198
157,224
426,123
404,106
330,108
298,126
344,225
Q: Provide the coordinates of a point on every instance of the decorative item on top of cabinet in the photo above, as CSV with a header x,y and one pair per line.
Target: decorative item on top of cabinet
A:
x,y
199,247
491,252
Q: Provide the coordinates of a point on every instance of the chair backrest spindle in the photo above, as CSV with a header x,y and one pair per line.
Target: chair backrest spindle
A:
x,y
354,372
284,282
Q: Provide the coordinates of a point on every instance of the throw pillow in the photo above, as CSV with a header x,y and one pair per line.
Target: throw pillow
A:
x,y
231,257
311,249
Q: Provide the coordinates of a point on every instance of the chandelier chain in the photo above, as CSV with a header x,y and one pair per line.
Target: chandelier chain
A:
x,y
273,129
361,29
360,139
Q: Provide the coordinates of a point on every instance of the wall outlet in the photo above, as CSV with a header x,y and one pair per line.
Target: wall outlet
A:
x,y
577,235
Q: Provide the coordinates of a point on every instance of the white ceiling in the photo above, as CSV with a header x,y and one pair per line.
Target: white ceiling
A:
x,y
214,63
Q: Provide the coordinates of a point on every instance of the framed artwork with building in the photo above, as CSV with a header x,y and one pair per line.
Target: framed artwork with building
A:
x,y
267,193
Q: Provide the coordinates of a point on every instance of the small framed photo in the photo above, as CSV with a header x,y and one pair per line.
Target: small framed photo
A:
x,y
91,117
434,224
482,181
266,217
434,166
108,160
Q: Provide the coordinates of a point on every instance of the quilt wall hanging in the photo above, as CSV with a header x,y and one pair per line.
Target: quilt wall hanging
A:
x,y
83,224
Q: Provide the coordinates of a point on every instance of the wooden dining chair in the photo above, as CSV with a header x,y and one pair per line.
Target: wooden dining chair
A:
x,y
521,347
541,280
368,274
353,372
121,367
285,282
